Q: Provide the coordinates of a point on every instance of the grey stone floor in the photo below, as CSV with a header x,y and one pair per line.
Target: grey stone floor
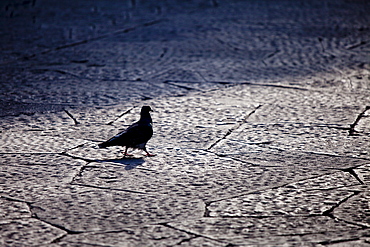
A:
x,y
262,123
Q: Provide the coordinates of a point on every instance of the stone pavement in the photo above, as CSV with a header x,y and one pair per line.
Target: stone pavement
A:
x,y
261,123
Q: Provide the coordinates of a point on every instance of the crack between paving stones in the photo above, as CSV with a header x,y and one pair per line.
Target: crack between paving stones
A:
x,y
269,56
330,211
79,172
336,188
75,157
238,83
9,198
200,82
79,243
121,115
144,97
352,130
362,225
128,231
189,232
235,127
58,239
183,87
63,72
68,231
207,212
72,148
251,143
263,216
275,85
354,174
186,240
354,46
72,117
307,125
302,234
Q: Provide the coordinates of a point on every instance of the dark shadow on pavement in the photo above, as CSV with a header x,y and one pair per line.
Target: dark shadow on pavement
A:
x,y
130,163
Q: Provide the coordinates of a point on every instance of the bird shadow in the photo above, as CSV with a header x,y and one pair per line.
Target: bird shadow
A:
x,y
130,163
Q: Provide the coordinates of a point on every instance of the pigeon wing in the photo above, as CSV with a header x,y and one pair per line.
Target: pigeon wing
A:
x,y
138,135
134,135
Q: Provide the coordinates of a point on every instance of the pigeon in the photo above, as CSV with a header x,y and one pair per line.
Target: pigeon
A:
x,y
135,136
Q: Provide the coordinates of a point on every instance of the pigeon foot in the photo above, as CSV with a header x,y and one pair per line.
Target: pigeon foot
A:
x,y
150,155
127,154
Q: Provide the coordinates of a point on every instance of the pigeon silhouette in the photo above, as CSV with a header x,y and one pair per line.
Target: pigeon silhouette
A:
x,y
135,136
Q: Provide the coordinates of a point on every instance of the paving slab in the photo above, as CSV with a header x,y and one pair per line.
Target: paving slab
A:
x,y
359,200
308,197
27,232
28,177
13,209
363,173
81,209
270,230
149,235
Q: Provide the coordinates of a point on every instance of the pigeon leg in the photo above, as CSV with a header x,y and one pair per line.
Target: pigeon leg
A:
x,y
125,153
149,154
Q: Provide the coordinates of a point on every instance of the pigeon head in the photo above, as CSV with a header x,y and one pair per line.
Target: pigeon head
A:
x,y
145,109
145,114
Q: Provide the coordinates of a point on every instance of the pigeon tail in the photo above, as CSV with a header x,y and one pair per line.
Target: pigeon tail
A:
x,y
103,145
